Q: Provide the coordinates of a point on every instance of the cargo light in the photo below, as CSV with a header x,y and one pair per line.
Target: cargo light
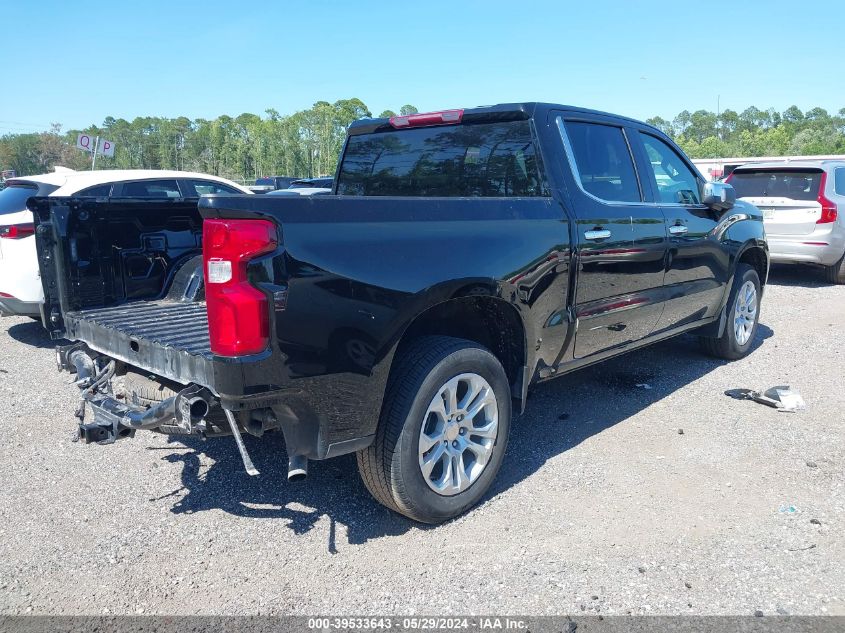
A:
x,y
17,231
444,117
238,312
829,210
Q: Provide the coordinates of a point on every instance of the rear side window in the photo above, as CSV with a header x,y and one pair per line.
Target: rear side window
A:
x,y
151,189
100,191
676,184
603,161
475,160
197,188
13,198
796,184
839,181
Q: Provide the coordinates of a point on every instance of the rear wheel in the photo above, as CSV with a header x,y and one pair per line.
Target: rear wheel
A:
x,y
743,315
443,430
835,274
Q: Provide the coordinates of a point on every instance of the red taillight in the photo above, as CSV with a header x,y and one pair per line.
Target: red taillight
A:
x,y
445,117
729,178
829,211
6,295
17,231
238,315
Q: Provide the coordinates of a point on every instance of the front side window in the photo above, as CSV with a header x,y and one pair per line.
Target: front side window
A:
x,y
472,159
151,189
197,188
603,162
676,184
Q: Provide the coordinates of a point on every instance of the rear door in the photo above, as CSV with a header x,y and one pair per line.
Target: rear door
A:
x,y
788,197
621,240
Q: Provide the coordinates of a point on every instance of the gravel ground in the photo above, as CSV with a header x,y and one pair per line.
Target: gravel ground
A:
x,y
613,499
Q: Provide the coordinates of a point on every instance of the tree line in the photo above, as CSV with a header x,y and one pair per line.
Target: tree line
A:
x,y
243,148
755,132
307,143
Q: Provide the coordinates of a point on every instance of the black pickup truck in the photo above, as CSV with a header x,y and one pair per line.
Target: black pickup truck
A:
x,y
462,256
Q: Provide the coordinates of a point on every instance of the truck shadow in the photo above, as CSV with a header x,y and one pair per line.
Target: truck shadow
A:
x,y
560,415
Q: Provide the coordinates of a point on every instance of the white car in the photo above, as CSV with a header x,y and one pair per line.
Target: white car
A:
x,y
20,282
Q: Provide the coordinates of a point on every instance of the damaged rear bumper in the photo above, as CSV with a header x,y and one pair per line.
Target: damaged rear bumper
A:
x,y
192,412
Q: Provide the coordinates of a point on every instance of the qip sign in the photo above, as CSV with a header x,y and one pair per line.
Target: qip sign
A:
x,y
92,144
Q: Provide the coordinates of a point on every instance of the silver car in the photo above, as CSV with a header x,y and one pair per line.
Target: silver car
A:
x,y
803,205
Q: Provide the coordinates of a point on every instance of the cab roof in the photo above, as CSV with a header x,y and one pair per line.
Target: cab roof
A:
x,y
498,112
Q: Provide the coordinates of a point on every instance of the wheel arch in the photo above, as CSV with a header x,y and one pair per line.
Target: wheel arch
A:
x,y
756,256
487,320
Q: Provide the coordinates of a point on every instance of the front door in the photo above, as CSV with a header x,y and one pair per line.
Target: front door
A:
x,y
697,266
621,240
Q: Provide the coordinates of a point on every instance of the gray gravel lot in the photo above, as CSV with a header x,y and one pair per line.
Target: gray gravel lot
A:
x,y
602,505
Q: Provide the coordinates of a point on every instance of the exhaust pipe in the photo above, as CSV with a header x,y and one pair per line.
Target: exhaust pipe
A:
x,y
297,468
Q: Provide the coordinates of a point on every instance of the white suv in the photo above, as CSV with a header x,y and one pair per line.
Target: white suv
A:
x,y
803,205
20,283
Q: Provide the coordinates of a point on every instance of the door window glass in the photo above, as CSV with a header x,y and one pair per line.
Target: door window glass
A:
x,y
151,189
675,181
839,181
197,188
100,191
603,162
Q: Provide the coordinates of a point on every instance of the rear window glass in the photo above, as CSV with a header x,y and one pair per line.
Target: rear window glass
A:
x,y
766,183
474,160
13,198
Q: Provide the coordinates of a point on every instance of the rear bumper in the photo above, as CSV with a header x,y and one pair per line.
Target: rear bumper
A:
x,y
9,306
824,249
320,416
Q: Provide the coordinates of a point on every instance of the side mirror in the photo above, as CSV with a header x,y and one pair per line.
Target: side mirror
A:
x,y
719,196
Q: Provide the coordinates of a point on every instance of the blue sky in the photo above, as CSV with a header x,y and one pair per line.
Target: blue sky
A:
x,y
78,62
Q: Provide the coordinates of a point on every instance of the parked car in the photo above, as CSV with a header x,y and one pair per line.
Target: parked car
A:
x,y
20,288
464,256
324,182
271,183
307,187
801,203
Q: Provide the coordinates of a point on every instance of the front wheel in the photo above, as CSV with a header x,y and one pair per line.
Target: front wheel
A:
x,y
743,315
443,430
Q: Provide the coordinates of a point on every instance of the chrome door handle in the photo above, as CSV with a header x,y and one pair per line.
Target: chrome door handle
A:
x,y
597,235
678,229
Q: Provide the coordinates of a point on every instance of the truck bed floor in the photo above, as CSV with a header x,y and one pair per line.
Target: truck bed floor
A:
x,y
169,338
171,324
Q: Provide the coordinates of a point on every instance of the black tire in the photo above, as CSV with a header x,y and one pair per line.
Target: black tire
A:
x,y
390,465
147,391
727,346
835,274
